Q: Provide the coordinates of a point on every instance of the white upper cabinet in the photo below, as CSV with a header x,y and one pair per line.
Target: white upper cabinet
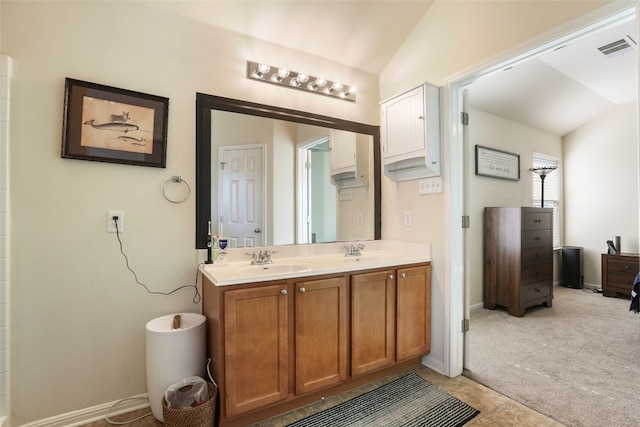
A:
x,y
410,134
349,159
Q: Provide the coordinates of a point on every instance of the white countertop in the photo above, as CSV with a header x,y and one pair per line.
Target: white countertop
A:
x,y
290,261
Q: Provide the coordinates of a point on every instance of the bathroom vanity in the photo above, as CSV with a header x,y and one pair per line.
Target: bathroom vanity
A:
x,y
313,323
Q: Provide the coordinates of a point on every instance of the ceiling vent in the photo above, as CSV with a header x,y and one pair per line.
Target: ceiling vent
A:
x,y
618,47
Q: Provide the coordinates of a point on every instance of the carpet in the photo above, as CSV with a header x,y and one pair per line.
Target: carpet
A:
x,y
408,401
577,362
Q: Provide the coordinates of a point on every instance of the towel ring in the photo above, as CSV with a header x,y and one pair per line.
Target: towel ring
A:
x,y
177,179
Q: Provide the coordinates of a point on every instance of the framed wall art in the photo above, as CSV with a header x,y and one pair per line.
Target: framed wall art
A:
x,y
107,124
497,163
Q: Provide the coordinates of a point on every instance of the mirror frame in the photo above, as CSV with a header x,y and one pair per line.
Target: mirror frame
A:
x,y
205,103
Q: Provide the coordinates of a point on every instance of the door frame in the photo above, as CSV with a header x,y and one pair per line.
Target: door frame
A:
x,y
303,214
456,187
263,214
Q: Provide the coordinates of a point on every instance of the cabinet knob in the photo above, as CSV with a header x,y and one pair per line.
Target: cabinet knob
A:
x,y
390,277
626,267
303,290
283,291
403,275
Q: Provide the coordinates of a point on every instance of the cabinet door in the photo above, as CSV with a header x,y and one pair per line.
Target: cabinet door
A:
x,y
413,328
343,151
402,124
256,343
373,313
320,333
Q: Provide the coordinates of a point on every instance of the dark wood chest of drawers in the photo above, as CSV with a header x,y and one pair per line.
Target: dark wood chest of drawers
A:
x,y
518,262
618,273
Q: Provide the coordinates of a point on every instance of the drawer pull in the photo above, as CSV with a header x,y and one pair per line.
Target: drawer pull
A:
x,y
303,290
537,290
626,267
283,291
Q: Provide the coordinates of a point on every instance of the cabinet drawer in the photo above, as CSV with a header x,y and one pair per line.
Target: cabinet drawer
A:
x,y
534,238
536,220
536,272
624,266
621,281
536,254
534,291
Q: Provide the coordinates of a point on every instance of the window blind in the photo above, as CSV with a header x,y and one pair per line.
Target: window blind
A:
x,y
551,191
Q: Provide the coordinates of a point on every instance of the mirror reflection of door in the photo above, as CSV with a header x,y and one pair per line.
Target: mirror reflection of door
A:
x,y
241,196
318,215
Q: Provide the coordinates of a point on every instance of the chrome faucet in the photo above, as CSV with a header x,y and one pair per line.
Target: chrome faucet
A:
x,y
353,249
261,257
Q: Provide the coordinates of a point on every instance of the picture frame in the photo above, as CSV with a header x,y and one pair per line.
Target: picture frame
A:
x,y
497,163
109,124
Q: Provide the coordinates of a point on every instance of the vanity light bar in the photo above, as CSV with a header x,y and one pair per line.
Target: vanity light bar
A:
x,y
296,80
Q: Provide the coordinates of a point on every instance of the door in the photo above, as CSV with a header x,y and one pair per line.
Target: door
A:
x,y
320,333
241,196
256,343
373,314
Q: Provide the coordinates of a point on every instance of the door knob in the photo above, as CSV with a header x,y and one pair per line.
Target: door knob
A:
x,y
257,230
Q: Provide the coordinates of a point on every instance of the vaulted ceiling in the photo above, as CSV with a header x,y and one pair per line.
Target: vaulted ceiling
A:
x,y
556,92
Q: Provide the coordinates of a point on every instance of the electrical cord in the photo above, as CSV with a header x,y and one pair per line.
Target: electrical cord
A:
x,y
196,297
121,423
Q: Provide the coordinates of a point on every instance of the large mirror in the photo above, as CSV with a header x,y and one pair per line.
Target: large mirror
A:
x,y
277,171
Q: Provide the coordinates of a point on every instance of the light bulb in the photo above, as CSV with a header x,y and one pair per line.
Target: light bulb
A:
x,y
263,68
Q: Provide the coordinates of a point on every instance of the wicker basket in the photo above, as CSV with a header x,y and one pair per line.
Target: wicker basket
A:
x,y
200,416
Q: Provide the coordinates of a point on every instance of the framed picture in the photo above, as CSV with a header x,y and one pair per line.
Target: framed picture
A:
x,y
107,124
497,163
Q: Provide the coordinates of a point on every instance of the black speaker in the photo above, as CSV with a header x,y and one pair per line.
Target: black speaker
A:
x,y
572,267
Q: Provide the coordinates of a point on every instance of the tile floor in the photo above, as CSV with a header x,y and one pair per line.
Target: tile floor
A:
x,y
495,409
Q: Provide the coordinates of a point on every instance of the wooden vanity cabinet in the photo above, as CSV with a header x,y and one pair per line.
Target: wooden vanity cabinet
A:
x,y
390,317
256,341
281,344
413,319
320,333
373,318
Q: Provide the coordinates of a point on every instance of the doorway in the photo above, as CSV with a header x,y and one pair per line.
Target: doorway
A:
x,y
460,271
317,206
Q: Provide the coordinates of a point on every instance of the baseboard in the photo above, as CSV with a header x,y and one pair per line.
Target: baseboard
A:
x,y
94,413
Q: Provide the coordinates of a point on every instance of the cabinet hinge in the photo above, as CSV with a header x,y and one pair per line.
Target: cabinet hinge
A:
x,y
465,325
307,165
464,118
465,221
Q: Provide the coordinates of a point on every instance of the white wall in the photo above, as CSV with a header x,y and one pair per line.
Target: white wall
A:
x,y
452,37
78,317
496,132
601,186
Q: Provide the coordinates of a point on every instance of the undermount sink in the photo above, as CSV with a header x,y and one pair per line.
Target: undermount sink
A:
x,y
276,268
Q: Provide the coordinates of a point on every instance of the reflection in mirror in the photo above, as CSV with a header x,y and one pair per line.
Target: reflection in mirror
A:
x,y
271,176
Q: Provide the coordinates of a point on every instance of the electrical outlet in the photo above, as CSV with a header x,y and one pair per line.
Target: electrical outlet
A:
x,y
407,219
111,223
